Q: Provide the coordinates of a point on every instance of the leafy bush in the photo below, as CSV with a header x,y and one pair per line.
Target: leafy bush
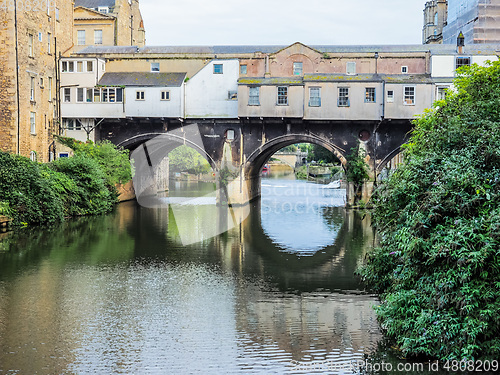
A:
x,y
29,196
113,161
438,267
89,189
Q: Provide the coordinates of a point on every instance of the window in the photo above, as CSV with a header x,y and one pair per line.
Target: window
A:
x,y
243,69
462,61
33,156
112,95
97,36
343,97
119,95
390,96
30,45
67,95
103,9
97,95
297,68
49,41
39,36
165,95
370,95
441,92
81,37
50,89
72,124
104,95
155,67
404,69
314,97
232,95
230,135
79,94
33,122
41,83
79,66
254,96
64,66
89,95
57,14
32,89
282,95
90,66
409,95
218,69
351,68
139,95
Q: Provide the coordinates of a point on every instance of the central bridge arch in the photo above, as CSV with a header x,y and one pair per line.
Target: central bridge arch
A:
x,y
260,156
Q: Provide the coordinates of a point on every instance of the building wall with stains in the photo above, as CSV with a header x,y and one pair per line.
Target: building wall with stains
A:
x,y
42,33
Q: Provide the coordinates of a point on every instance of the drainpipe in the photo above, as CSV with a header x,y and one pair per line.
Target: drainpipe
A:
x,y
17,83
131,30
58,87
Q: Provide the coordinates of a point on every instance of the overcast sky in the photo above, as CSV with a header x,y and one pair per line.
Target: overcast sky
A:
x,y
283,22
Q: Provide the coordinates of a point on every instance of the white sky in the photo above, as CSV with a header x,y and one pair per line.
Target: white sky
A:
x,y
283,22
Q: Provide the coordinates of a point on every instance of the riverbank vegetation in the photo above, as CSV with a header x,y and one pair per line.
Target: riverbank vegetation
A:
x,y
34,193
438,266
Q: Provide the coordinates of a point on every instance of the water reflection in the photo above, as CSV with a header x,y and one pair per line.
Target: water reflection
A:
x,y
119,293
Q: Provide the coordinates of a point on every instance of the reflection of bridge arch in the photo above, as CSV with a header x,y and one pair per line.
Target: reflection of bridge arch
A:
x,y
260,156
161,144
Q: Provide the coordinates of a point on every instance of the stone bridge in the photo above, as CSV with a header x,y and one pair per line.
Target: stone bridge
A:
x,y
243,146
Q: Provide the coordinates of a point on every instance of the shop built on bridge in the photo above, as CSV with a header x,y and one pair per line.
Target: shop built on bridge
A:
x,y
238,105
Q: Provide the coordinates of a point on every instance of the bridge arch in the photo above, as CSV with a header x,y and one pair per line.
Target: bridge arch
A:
x,y
164,143
260,156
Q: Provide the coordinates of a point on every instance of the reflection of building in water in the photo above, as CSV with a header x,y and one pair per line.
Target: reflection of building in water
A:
x,y
313,326
302,324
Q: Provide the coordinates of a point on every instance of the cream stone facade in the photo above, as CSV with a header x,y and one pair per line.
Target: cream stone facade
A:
x,y
108,23
31,39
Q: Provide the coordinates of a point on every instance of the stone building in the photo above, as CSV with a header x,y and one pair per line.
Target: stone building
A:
x,y
435,16
108,23
31,40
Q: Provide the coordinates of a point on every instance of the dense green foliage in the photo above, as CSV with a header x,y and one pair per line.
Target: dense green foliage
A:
x,y
29,195
356,171
113,161
186,159
438,267
35,193
83,185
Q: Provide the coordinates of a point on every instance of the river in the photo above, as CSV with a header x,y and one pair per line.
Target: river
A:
x,y
125,293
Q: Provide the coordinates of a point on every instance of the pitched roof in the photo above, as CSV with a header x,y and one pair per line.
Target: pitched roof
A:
x,y
93,14
434,49
95,3
143,79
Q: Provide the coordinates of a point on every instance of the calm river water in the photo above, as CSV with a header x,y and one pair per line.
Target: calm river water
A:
x,y
125,293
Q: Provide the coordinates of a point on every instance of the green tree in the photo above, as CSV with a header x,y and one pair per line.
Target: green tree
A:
x,y
357,170
186,159
438,215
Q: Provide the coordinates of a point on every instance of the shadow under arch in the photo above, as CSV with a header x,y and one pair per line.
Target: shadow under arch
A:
x,y
164,143
259,157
